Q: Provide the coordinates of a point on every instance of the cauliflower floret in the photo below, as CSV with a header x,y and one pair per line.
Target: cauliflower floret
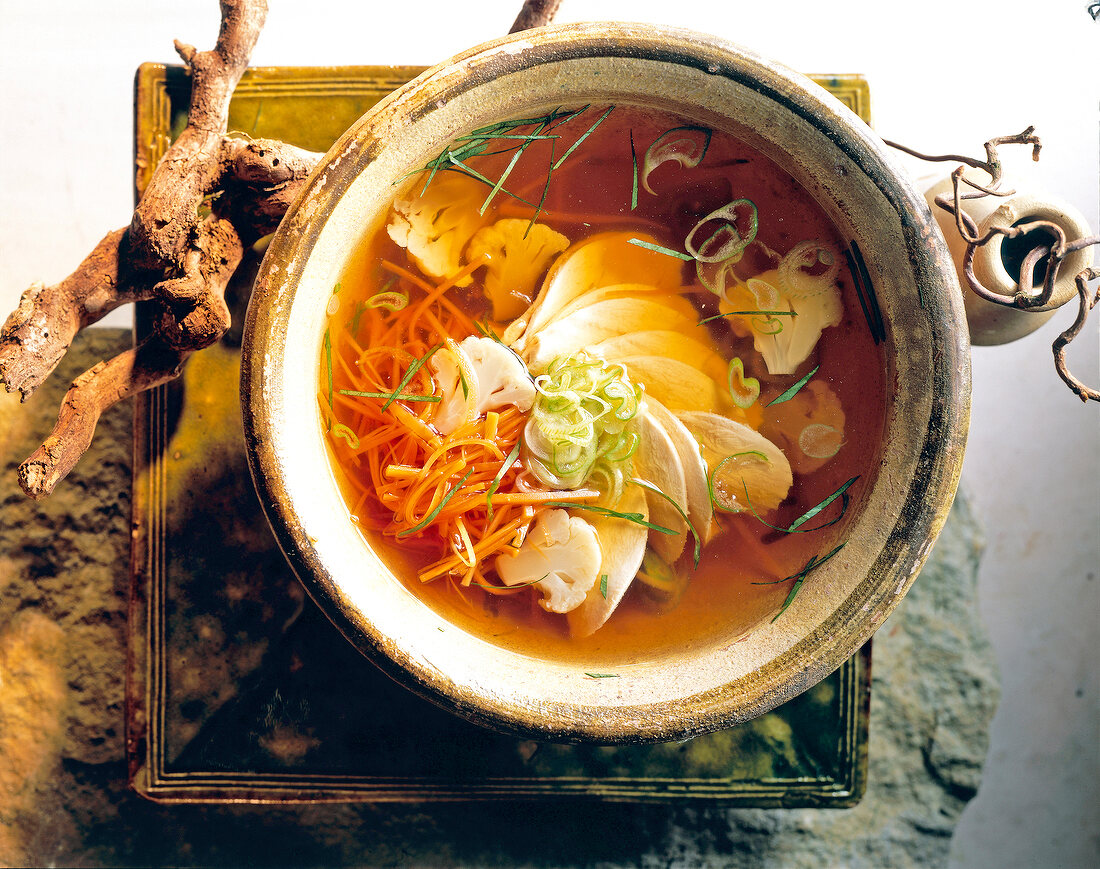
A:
x,y
451,369
502,377
561,555
477,376
805,284
436,226
518,253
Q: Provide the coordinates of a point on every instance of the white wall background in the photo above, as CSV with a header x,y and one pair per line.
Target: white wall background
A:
x,y
945,75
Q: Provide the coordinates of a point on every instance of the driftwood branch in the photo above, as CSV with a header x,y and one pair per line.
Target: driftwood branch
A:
x,y
211,196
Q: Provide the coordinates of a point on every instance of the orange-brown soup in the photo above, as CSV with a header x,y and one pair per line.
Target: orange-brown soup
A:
x,y
585,174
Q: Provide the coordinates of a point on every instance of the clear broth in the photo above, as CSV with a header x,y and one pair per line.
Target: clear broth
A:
x,y
592,192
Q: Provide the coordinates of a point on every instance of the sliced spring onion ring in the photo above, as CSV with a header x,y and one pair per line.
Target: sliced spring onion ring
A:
x,y
743,390
820,441
810,268
342,431
389,301
736,239
684,145
720,481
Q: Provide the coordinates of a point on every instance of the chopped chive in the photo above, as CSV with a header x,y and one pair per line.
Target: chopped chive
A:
x,y
796,526
667,251
789,393
409,376
509,460
465,385
328,368
634,183
503,177
603,585
636,518
427,520
523,136
602,675
800,578
584,136
683,515
473,173
360,394
746,314
545,191
487,331
357,315
813,511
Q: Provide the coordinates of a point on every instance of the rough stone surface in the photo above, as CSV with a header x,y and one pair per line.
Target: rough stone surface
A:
x,y
63,793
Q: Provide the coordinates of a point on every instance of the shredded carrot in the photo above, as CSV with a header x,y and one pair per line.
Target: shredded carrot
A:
x,y
428,490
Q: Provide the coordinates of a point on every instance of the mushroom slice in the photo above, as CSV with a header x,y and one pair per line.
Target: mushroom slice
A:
x,y
697,498
623,543
740,461
561,555
657,462
602,260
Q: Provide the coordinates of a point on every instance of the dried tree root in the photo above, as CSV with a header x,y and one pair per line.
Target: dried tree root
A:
x,y
211,196
41,329
170,254
100,387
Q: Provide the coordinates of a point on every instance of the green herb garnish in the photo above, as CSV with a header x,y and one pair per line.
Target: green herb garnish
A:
x,y
634,183
427,520
603,585
417,364
510,587
328,367
602,675
583,136
747,314
789,393
342,431
360,394
667,251
796,526
800,578
636,518
493,486
683,515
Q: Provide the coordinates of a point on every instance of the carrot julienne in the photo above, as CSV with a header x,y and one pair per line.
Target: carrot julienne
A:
x,y
452,494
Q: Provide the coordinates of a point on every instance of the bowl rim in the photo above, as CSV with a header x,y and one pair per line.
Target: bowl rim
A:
x,y
928,494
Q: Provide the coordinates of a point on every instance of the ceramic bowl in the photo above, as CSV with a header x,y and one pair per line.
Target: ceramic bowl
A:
x,y
837,158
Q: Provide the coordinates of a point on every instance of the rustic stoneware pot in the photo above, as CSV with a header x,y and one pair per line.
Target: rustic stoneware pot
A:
x,y
831,153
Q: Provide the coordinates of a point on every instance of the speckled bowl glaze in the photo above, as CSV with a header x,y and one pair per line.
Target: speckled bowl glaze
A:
x,y
832,154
